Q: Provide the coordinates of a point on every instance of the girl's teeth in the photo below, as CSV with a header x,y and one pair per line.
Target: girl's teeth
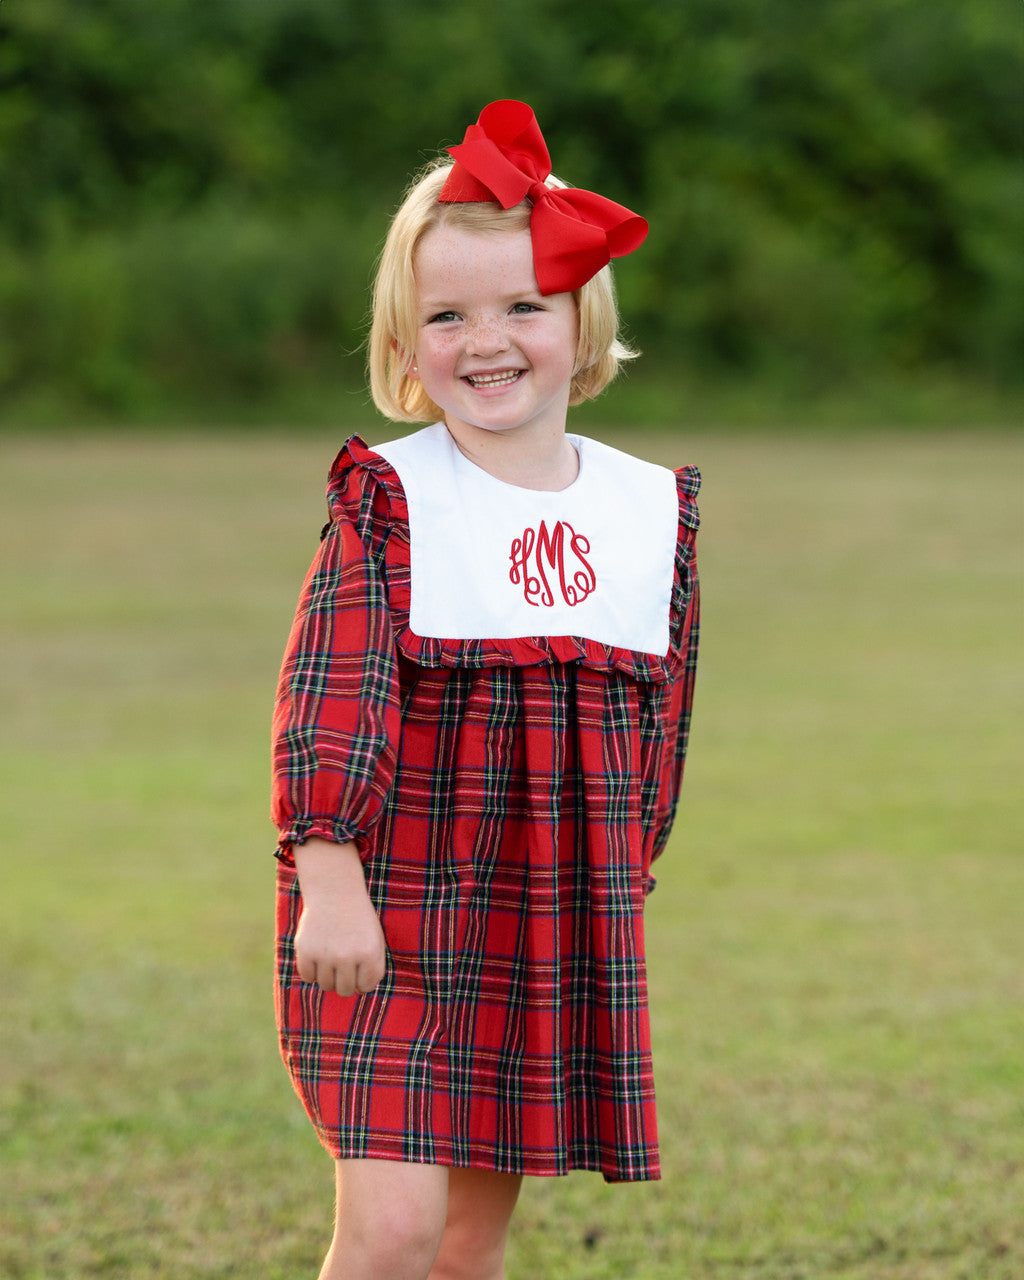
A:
x,y
493,379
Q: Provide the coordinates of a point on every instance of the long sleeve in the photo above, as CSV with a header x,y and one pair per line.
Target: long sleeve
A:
x,y
336,721
686,606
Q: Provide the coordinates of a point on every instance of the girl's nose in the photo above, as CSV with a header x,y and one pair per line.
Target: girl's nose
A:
x,y
486,338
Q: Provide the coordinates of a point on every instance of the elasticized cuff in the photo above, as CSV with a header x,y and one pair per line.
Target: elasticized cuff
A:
x,y
317,829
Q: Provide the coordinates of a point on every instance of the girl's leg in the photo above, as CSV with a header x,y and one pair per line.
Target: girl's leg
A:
x,y
390,1219
480,1207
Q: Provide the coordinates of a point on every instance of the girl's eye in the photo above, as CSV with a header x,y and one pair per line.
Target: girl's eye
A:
x,y
524,308
442,317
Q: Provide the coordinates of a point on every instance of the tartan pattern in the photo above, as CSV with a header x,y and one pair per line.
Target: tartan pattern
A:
x,y
508,804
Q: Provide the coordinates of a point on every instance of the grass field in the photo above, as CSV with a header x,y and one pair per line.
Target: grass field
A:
x,y
837,946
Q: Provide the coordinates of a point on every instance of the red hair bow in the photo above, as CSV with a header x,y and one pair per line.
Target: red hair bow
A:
x,y
503,157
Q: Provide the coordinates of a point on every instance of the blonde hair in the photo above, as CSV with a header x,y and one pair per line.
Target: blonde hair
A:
x,y
599,351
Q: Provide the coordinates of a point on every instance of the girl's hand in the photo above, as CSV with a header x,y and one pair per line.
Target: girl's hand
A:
x,y
339,943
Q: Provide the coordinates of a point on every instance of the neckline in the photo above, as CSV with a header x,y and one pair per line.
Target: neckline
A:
x,y
474,468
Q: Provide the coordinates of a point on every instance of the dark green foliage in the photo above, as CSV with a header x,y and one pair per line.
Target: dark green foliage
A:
x,y
192,193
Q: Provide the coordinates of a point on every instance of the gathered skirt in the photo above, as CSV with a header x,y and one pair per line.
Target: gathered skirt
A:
x,y
509,868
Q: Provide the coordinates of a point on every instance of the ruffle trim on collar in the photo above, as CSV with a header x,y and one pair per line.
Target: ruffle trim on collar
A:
x,y
359,478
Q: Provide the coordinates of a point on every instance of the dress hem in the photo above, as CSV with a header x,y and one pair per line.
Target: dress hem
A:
x,y
525,1168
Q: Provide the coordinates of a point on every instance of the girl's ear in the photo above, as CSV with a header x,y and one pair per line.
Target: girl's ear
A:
x,y
410,369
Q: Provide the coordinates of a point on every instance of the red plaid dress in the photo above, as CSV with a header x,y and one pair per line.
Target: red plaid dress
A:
x,y
507,797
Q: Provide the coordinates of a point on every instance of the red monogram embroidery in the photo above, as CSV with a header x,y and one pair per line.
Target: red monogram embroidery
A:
x,y
541,551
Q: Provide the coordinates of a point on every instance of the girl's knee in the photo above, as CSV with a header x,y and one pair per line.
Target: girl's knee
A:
x,y
402,1231
391,1219
392,1245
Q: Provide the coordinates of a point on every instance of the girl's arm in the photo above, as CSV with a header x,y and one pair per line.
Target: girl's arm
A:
x,y
339,943
686,603
337,719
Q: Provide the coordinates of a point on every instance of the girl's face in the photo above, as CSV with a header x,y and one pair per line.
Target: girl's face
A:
x,y
491,351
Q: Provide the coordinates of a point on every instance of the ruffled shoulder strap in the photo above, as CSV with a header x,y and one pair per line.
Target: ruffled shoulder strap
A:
x,y
684,586
366,493
365,490
688,486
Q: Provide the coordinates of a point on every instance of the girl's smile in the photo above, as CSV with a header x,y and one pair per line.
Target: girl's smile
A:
x,y
491,351
494,379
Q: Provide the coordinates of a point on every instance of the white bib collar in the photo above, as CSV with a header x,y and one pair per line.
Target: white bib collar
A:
x,y
490,560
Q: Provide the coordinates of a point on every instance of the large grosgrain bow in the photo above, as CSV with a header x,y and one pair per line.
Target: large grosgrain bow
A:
x,y
503,157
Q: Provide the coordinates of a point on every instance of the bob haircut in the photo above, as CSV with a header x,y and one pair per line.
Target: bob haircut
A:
x,y
393,330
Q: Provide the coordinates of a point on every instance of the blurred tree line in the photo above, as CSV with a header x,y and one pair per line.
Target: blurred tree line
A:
x,y
192,193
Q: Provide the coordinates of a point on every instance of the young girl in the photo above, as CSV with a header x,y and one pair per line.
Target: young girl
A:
x,y
480,731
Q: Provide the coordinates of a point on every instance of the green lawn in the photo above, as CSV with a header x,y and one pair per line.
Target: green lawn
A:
x,y
836,942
